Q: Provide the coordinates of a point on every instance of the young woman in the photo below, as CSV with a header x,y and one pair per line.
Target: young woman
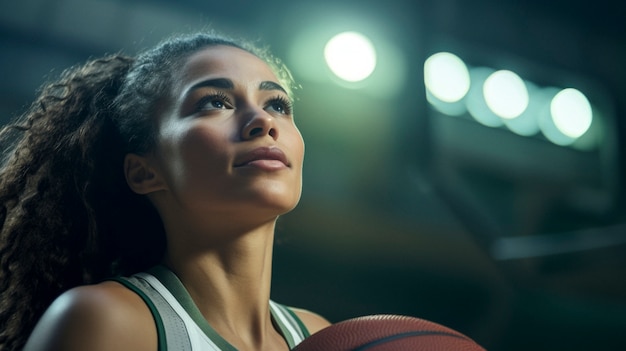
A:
x,y
169,169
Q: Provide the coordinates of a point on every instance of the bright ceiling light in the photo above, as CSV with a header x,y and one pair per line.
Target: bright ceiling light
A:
x,y
506,94
527,124
475,99
571,112
350,56
446,77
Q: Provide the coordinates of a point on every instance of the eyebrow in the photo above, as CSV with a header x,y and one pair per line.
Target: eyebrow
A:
x,y
225,83
269,85
222,83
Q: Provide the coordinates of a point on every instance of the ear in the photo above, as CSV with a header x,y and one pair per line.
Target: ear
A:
x,y
141,177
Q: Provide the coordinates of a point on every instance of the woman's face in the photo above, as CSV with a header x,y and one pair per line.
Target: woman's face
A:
x,y
228,144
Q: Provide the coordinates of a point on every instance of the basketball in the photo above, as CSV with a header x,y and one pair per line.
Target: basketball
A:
x,y
388,333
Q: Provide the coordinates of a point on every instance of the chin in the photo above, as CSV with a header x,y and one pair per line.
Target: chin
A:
x,y
282,208
280,197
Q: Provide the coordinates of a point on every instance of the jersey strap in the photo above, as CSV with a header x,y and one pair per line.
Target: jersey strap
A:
x,y
171,330
289,324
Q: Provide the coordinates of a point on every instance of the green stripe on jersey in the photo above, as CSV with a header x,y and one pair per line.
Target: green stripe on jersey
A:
x,y
176,287
161,341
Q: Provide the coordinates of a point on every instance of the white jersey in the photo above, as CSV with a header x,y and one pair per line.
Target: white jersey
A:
x,y
181,326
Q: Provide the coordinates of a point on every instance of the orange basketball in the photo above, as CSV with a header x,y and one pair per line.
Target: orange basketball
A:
x,y
388,333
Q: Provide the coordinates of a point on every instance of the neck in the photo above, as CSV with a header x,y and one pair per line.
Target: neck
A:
x,y
229,279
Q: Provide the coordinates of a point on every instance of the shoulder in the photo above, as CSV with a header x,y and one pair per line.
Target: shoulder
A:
x,y
100,317
313,321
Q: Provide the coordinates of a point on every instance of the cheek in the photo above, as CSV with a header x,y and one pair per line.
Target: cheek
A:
x,y
195,154
298,147
201,144
296,143
301,148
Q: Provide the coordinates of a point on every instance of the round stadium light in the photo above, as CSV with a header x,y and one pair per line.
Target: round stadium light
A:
x,y
571,112
506,94
475,99
446,77
350,56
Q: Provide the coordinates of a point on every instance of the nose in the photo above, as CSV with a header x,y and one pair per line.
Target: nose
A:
x,y
258,124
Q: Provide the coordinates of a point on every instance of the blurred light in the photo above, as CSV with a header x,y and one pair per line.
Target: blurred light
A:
x,y
351,56
506,94
496,98
457,108
571,112
446,77
546,122
475,99
527,124
593,137
305,55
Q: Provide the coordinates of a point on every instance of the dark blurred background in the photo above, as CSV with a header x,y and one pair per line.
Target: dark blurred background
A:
x,y
515,240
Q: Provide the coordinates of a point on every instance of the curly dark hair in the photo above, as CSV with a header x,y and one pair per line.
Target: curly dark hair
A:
x,y
67,216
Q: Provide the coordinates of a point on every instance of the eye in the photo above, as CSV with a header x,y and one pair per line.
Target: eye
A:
x,y
217,101
280,105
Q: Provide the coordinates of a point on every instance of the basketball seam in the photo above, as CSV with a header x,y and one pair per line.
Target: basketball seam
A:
x,y
404,335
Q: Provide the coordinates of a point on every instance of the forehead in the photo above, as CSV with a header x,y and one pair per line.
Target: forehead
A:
x,y
228,62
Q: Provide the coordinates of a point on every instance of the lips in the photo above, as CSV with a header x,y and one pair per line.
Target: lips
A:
x,y
270,154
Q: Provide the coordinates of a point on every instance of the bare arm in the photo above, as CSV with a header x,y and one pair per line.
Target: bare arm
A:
x,y
103,317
